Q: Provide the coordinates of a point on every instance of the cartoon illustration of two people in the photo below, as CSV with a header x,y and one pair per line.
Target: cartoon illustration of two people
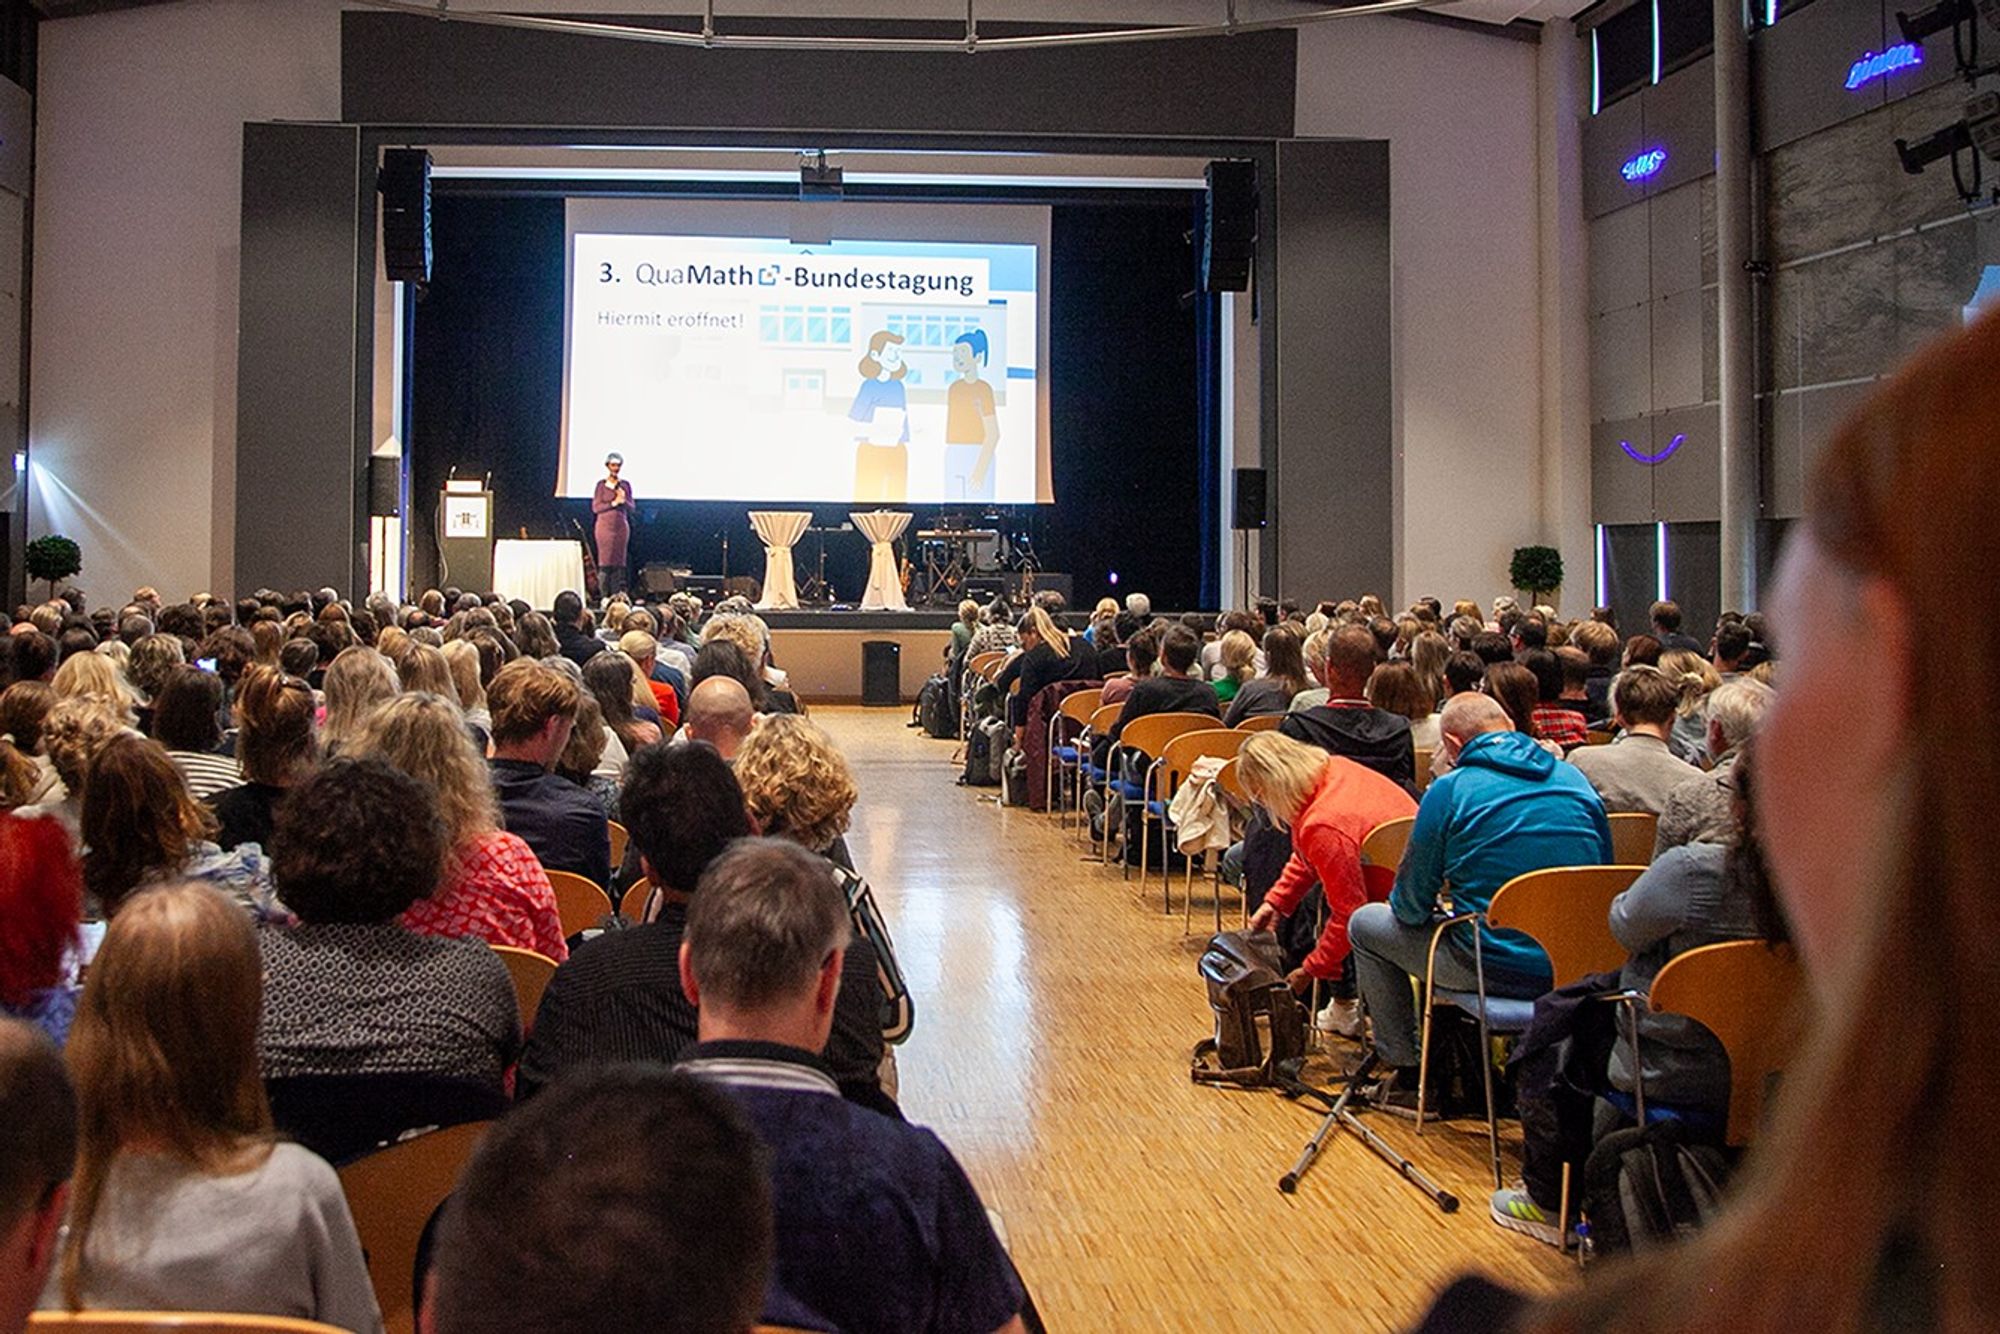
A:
x,y
882,410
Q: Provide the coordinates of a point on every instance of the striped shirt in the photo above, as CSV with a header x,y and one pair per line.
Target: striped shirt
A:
x,y
206,773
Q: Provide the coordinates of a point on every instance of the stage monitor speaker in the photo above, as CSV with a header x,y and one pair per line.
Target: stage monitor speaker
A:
x,y
385,485
405,186
1229,226
881,673
658,579
983,588
1250,498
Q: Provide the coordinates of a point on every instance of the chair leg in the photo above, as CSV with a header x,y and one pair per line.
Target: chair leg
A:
x,y
1187,898
1486,1057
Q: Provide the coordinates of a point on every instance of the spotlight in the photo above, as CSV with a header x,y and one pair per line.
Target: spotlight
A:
x,y
1944,14
816,179
1979,129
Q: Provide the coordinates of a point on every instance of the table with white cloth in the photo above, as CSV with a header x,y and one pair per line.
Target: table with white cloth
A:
x,y
535,572
885,587
780,531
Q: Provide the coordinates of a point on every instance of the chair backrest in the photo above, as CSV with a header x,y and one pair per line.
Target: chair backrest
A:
x,y
343,1117
392,1194
580,901
1423,756
620,837
1231,782
1149,735
531,972
1632,834
1567,909
1263,722
173,1322
985,665
1078,705
1386,841
1746,993
632,903
1103,716
1181,753
1597,737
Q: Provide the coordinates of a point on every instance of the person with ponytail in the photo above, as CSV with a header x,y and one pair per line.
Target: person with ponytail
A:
x,y
1044,659
183,1198
276,747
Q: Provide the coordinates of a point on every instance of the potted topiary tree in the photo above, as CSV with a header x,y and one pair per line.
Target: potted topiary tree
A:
x,y
53,558
1537,571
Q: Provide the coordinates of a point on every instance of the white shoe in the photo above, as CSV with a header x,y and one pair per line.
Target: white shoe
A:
x,y
1342,1017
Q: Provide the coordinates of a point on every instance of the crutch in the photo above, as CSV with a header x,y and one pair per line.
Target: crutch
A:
x,y
1338,1115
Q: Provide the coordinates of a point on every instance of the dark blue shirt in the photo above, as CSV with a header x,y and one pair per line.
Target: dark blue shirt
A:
x,y
877,1226
559,820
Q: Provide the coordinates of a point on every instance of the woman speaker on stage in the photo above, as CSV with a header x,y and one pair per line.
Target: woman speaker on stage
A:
x,y
612,504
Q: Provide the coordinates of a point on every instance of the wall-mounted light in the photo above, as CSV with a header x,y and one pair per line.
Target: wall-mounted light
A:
x,y
1640,456
1873,65
1645,164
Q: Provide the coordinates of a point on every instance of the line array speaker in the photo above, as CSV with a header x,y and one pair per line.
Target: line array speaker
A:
x,y
405,186
1229,226
1250,498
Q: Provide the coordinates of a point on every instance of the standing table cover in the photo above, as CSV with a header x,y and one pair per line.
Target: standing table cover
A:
x,y
885,589
780,531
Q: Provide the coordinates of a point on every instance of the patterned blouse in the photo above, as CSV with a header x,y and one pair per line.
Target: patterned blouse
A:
x,y
496,891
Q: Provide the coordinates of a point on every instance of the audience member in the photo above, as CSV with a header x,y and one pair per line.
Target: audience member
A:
x,y
276,748
187,714
1505,808
1142,653
1175,689
675,1184
720,714
75,731
1665,618
37,1155
425,669
764,963
1044,659
184,1198
141,827
618,998
587,761
1395,687
1637,772
41,901
1236,663
536,637
95,676
534,709
1554,721
468,679
721,658
666,683
1514,688
1280,682
1732,647
1696,680
572,629
1347,724
24,712
615,683
492,888
1697,810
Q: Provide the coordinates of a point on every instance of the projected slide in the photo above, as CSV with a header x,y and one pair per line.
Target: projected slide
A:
x,y
756,369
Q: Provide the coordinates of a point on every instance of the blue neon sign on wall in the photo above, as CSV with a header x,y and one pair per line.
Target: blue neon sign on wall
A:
x,y
1871,66
1644,165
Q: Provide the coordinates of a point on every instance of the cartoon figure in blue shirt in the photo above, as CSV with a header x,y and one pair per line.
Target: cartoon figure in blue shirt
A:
x,y
882,408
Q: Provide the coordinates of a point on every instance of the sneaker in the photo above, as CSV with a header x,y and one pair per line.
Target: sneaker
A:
x,y
1397,1092
1513,1209
1093,804
1342,1017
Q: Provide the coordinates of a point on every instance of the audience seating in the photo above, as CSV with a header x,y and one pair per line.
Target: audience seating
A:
x,y
1076,707
1746,993
392,1194
1599,737
620,837
531,973
632,903
1632,835
1147,737
1089,775
1263,722
1383,849
580,901
172,1322
1176,761
1230,780
1567,910
1423,756
340,1117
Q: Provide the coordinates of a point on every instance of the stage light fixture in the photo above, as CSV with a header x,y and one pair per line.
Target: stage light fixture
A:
x,y
1978,129
1945,14
818,181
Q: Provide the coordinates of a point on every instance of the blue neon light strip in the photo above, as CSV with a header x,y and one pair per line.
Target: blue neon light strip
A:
x,y
1770,13
1644,165
1656,41
1872,66
1596,77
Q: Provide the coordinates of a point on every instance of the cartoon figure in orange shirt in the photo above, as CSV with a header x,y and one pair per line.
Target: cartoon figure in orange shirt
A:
x,y
971,424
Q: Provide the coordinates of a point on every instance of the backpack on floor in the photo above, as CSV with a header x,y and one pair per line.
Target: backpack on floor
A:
x,y
978,770
999,740
1260,1027
934,712
1648,1186
1013,778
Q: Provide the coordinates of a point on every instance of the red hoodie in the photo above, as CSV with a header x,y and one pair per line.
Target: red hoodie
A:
x,y
1348,803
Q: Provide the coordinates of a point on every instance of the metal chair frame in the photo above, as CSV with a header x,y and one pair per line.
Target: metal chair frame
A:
x,y
1148,725
1177,757
1076,707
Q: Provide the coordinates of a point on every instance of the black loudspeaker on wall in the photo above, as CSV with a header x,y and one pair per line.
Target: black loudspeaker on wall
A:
x,y
385,485
1229,226
405,186
1249,498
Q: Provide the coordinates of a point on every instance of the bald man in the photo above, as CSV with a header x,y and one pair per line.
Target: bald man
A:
x,y
719,712
1507,807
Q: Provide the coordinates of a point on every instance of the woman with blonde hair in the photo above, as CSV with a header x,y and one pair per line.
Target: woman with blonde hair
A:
x,y
184,1198
1330,804
424,669
94,675
1045,658
462,656
74,732
492,888
1428,652
358,681
1696,679
1238,663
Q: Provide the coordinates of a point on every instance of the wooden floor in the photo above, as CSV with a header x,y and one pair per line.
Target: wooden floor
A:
x,y
1056,1008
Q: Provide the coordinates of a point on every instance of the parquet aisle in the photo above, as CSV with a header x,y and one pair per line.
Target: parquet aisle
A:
x,y
1056,1007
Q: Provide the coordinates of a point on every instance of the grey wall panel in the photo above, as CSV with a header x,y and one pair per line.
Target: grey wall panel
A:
x,y
298,466
1801,68
1687,485
1834,319
1676,232
1620,248
1677,351
1936,273
1621,491
1783,477
400,69
1711,346
1610,139
1680,117
1707,188
1621,371
1333,482
1830,190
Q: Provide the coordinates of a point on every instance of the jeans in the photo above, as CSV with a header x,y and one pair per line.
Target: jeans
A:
x,y
1387,954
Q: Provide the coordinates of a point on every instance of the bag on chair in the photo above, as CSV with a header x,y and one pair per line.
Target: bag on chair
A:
x,y
1260,1027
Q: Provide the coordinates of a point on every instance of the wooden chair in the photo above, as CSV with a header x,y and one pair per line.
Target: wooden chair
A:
x,y
1076,707
1176,761
531,973
1385,843
1263,722
1089,775
986,666
392,1194
1567,910
1230,781
983,667
1632,834
580,901
632,903
172,1322
1745,992
1597,736
1147,736
1423,756
621,837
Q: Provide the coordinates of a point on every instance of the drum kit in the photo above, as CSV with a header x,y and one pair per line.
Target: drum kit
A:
x,y
962,556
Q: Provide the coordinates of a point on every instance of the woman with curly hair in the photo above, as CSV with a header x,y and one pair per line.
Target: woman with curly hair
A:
x,y
142,828
76,730
492,887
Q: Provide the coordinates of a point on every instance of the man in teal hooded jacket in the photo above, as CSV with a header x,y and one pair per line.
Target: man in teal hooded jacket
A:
x,y
1506,807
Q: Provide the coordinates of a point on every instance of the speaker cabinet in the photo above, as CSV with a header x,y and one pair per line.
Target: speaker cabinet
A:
x,y
1229,226
405,185
1250,498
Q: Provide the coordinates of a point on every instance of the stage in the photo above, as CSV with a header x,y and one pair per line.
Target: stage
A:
x,y
821,649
